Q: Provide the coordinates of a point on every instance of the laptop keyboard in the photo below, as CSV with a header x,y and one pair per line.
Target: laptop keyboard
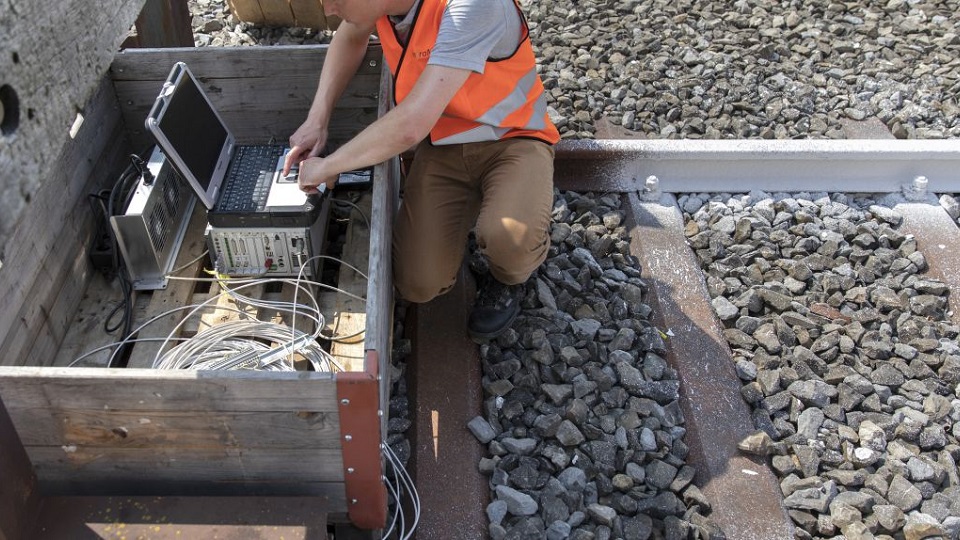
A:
x,y
248,180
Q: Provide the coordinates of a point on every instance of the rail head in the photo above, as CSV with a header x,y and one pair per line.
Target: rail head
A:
x,y
868,166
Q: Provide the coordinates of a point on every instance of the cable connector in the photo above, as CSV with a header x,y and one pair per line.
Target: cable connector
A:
x,y
142,168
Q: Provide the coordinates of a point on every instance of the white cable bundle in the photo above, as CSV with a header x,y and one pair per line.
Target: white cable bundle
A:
x,y
243,345
247,343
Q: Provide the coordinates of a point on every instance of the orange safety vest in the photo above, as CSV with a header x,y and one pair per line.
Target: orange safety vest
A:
x,y
507,100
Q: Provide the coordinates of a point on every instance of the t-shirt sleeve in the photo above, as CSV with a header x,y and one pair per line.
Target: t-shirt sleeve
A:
x,y
472,31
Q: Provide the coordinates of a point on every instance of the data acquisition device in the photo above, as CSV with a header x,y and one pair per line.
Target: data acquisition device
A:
x,y
151,228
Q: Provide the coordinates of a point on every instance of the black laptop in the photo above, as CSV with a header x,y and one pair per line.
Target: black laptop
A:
x,y
241,185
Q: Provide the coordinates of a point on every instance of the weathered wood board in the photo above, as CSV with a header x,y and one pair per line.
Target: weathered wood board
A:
x,y
262,93
127,426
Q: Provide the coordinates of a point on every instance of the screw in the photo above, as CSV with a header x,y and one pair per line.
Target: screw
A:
x,y
652,183
348,437
350,470
373,63
344,401
354,501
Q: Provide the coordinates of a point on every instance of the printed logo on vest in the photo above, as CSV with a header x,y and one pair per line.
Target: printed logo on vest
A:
x,y
421,55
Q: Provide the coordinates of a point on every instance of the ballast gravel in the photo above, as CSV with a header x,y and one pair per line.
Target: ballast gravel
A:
x,y
847,356
581,420
720,69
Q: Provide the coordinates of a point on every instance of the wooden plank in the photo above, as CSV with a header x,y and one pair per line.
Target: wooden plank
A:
x,y
277,13
384,203
256,111
178,293
380,302
247,10
288,294
180,518
101,428
54,63
235,465
349,314
262,93
334,492
86,332
54,270
227,309
233,62
149,390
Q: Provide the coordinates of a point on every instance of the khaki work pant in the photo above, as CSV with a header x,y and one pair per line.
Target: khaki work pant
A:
x,y
503,188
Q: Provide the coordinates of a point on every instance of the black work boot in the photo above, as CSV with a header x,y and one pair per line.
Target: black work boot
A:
x,y
495,308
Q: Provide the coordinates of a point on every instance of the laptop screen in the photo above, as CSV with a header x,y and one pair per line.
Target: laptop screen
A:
x,y
194,130
191,133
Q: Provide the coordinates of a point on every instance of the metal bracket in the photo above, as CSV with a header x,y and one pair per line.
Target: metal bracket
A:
x,y
358,397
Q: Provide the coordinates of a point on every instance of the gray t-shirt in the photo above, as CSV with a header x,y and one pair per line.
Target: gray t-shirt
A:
x,y
471,31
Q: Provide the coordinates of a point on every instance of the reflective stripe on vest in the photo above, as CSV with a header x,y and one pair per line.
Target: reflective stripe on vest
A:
x,y
507,100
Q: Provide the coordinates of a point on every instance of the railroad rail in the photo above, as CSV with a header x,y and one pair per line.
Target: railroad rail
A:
x,y
649,175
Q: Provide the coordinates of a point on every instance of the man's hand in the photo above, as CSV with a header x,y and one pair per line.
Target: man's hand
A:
x,y
306,142
315,171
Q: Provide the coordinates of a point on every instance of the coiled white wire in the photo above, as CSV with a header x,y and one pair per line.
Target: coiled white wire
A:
x,y
246,343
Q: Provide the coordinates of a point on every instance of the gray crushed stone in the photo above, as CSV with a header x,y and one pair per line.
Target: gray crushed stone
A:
x,y
718,69
855,364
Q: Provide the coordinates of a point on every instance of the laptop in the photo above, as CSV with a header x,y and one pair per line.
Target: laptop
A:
x,y
240,185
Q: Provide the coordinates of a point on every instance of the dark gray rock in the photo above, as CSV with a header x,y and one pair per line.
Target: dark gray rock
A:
x,y
518,504
903,494
482,429
568,434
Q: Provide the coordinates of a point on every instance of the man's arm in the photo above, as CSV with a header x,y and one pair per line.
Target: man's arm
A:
x,y
347,49
402,127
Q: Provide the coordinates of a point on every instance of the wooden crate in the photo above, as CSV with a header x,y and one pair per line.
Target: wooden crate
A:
x,y
139,431
296,13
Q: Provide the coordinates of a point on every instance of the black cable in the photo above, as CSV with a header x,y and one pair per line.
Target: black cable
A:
x,y
123,190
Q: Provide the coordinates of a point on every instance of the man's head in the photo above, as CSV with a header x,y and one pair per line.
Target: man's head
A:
x,y
365,13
